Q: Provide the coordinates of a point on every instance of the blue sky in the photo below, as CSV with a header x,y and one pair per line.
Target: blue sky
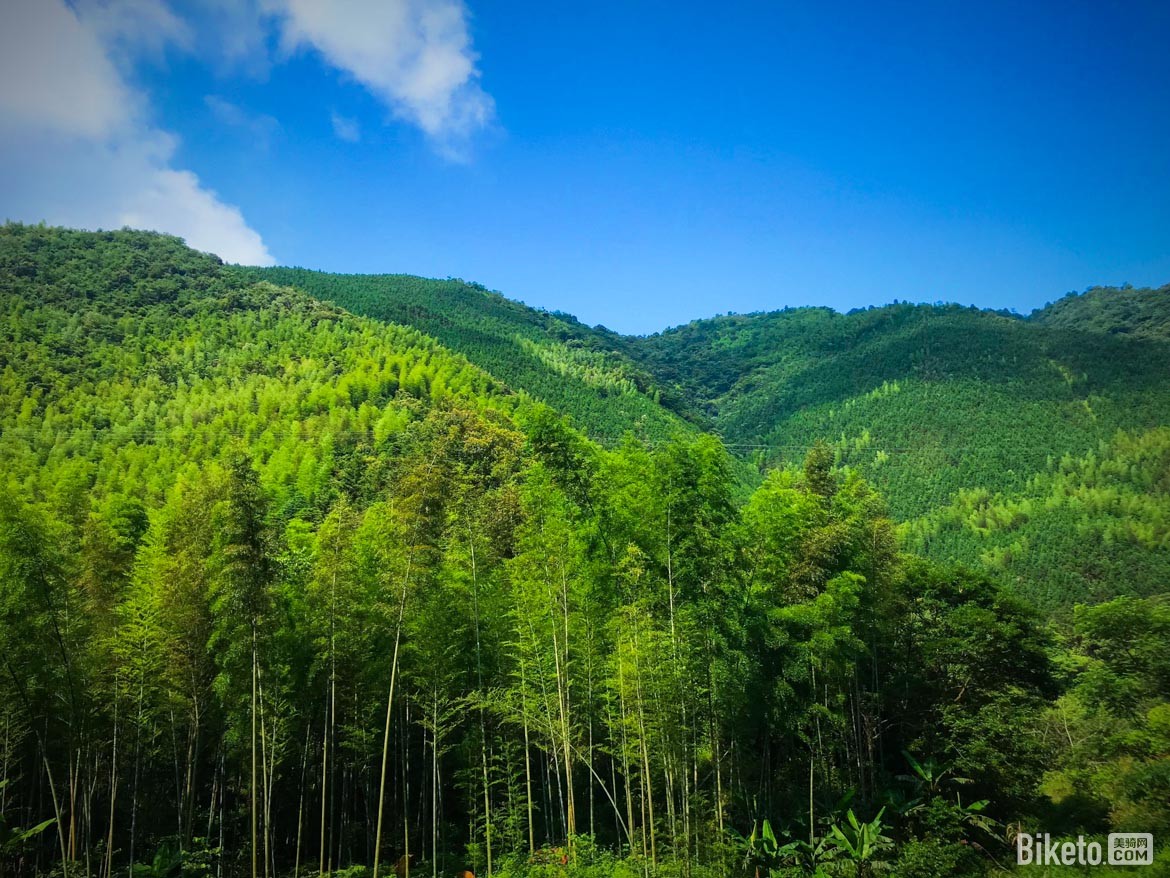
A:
x,y
636,164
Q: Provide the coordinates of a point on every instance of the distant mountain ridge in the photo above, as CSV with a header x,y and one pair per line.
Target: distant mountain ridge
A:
x,y
576,369
1036,448
931,402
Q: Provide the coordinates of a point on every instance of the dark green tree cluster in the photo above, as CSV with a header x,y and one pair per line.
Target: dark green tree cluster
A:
x,y
1122,311
1111,729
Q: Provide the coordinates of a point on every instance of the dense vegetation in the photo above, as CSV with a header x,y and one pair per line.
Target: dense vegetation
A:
x,y
287,591
942,408
938,405
554,357
945,406
1082,529
1124,311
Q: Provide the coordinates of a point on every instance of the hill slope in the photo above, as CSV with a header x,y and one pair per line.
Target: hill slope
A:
x,y
935,402
241,526
988,395
1124,311
1030,447
552,356
127,356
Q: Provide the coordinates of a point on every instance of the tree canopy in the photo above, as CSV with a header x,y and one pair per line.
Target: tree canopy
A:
x,y
284,589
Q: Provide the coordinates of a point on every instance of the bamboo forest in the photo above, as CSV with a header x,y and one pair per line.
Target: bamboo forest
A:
x,y
312,575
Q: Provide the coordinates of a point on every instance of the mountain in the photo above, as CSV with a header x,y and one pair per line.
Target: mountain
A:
x,y
127,357
935,404
282,581
551,356
1033,447
939,404
226,504
1122,311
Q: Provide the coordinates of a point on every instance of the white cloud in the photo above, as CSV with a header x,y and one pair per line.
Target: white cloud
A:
x,y
56,77
135,26
345,128
75,146
414,55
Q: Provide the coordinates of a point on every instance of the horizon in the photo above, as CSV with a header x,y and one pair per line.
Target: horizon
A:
x,y
634,166
557,311
760,312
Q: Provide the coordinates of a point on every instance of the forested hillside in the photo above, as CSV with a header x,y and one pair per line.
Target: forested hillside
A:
x,y
1081,529
127,356
286,591
554,357
940,403
1124,311
936,405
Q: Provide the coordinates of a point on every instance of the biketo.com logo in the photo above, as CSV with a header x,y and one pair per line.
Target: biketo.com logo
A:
x,y
1121,849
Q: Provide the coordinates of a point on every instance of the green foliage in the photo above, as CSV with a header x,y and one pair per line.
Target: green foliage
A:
x,y
1110,731
863,844
942,408
931,858
127,357
13,839
551,356
277,580
978,656
172,860
1124,311
947,410
1084,528
848,846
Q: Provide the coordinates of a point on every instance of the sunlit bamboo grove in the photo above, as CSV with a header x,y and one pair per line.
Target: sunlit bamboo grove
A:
x,y
495,641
